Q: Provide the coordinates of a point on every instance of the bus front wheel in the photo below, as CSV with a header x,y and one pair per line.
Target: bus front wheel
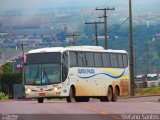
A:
x,y
40,100
71,97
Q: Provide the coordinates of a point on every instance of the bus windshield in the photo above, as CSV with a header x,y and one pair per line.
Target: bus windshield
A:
x,y
152,78
42,74
43,68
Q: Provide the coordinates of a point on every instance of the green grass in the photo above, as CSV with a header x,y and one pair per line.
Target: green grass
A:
x,y
144,92
147,91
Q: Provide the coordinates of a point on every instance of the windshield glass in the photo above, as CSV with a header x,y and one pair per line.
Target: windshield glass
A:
x,y
152,78
42,74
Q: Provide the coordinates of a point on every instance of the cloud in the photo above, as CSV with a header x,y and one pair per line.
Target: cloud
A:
x,y
27,4
18,4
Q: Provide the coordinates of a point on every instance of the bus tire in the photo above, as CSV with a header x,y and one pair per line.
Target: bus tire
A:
x,y
107,98
110,94
115,95
40,100
71,97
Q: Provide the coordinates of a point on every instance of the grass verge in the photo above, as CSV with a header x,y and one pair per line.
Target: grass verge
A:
x,y
147,91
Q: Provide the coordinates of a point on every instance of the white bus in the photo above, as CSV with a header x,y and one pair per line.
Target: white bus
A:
x,y
76,73
153,80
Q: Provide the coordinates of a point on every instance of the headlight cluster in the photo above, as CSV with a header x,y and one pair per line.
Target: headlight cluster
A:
x,y
28,90
57,88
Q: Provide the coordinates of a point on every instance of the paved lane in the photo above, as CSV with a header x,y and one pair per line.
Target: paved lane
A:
x,y
93,109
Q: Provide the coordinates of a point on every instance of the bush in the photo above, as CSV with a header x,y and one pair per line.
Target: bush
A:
x,y
3,96
7,82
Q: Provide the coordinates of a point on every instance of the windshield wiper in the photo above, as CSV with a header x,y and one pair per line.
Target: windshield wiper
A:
x,y
37,73
46,75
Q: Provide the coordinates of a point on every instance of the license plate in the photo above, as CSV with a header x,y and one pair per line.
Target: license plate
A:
x,y
41,94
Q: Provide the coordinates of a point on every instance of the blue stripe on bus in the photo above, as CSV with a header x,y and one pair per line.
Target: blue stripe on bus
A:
x,y
107,74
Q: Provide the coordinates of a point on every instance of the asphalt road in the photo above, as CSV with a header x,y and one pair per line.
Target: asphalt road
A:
x,y
93,110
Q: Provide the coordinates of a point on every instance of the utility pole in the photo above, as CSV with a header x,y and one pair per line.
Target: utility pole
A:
x,y
147,57
105,25
131,52
73,37
96,31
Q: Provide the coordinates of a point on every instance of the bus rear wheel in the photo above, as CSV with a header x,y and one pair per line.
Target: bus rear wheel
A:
x,y
40,100
71,97
115,95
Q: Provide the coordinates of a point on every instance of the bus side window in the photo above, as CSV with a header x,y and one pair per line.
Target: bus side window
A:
x,y
90,59
98,59
125,61
120,61
81,59
114,60
73,59
65,66
106,60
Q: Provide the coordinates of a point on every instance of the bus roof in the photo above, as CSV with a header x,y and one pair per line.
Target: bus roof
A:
x,y
75,48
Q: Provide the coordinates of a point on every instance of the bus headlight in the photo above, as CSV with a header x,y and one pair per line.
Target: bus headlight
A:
x,y
55,88
28,90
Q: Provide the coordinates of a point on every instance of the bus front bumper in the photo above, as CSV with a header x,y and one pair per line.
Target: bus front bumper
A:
x,y
44,94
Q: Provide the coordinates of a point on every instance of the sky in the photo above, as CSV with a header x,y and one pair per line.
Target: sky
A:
x,y
7,5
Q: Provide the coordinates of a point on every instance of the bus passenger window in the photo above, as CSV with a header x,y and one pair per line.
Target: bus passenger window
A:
x,y
114,60
81,59
98,59
125,61
89,59
120,60
106,60
73,59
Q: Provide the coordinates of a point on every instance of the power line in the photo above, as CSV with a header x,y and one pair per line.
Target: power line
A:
x,y
151,18
119,25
